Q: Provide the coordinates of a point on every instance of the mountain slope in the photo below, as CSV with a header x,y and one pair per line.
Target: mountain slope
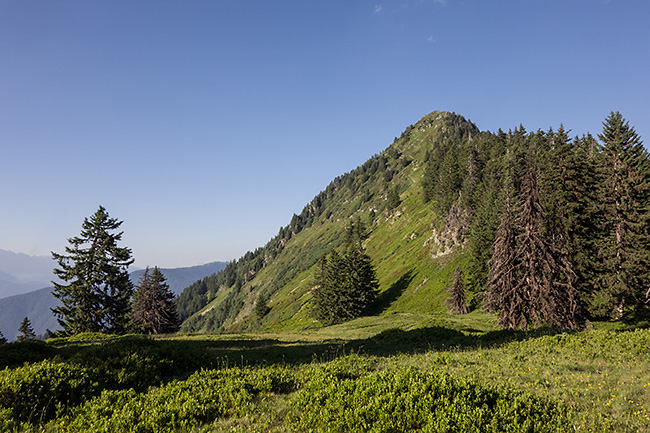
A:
x,y
37,304
179,278
412,246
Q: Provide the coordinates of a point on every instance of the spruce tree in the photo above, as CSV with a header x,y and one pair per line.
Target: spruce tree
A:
x,y
502,295
623,203
347,284
26,330
261,306
154,306
3,340
96,292
545,275
456,301
328,293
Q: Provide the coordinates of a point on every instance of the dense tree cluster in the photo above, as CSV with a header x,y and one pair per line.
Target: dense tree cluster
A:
x,y
347,284
559,226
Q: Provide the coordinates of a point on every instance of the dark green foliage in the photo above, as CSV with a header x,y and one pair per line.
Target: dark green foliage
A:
x,y
392,199
154,307
3,340
97,291
26,330
623,206
261,306
202,398
347,283
457,293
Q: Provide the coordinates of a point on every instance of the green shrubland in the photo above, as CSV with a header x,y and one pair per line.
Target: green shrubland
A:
x,y
445,377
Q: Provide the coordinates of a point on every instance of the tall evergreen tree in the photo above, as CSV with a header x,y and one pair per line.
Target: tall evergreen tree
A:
x,y
26,330
154,307
624,200
3,340
501,295
456,301
97,291
544,273
347,284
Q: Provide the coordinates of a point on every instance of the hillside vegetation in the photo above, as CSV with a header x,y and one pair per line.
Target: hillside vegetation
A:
x,y
542,229
413,248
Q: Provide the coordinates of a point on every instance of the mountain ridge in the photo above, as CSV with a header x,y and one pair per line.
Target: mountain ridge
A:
x,y
282,270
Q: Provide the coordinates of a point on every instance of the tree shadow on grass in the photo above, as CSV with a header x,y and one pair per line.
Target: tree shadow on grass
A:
x,y
180,357
390,295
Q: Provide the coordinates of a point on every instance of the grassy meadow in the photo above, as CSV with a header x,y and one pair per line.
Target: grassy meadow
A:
x,y
390,373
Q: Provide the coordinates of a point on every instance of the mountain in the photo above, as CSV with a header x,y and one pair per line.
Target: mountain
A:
x,y
179,278
413,244
37,304
442,198
21,273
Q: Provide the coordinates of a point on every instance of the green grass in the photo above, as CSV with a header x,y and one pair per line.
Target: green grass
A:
x,y
418,374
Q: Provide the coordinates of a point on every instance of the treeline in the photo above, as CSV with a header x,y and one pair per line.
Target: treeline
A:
x,y
558,226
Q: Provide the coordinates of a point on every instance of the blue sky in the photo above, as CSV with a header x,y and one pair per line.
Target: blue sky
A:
x,y
205,125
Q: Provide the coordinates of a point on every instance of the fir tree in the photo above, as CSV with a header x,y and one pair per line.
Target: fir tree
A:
x,y
623,201
545,276
3,340
97,291
154,307
347,284
457,294
26,330
501,295
261,306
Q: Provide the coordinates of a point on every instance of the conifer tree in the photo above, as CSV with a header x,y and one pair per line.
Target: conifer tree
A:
x,y
623,204
501,295
97,291
261,306
457,294
544,273
328,293
26,330
154,307
3,340
347,284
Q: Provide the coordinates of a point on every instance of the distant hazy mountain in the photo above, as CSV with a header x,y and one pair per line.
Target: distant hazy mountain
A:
x,y
180,278
37,304
20,273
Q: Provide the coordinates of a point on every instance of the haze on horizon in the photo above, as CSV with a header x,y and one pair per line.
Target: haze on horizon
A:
x,y
204,126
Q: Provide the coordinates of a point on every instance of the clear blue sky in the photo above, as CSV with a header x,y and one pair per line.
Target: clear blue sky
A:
x,y
204,125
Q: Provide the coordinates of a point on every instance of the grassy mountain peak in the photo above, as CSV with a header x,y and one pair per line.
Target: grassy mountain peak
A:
x,y
413,247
